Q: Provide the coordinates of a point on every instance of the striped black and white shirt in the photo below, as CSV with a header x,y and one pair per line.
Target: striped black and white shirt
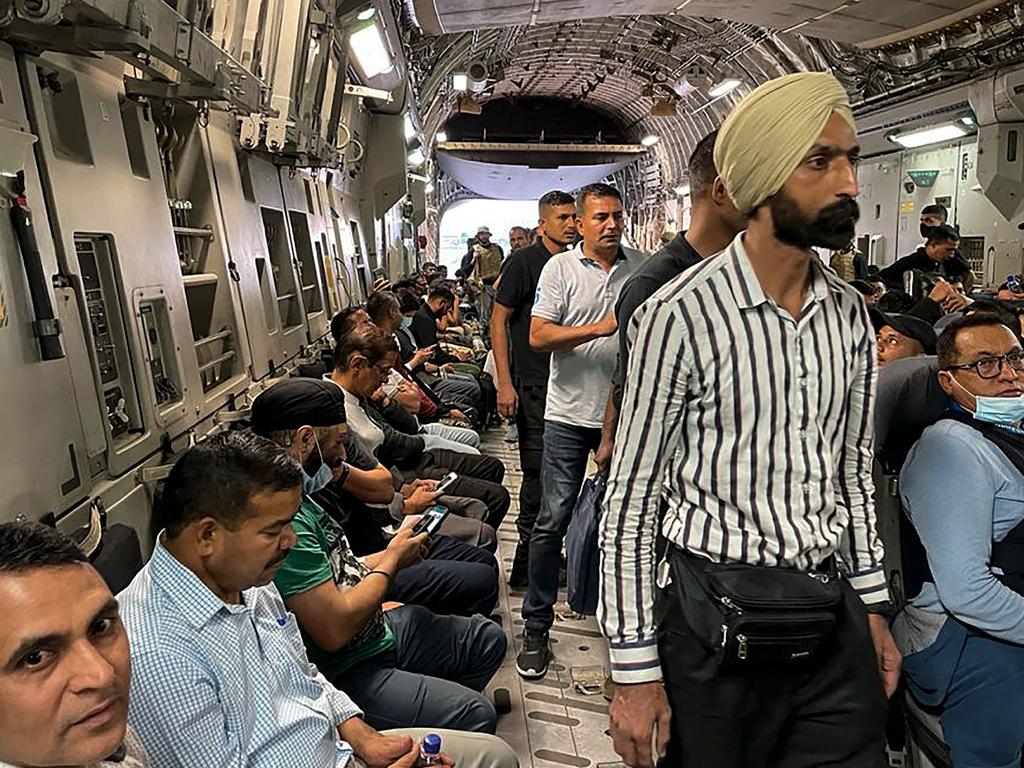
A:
x,y
752,429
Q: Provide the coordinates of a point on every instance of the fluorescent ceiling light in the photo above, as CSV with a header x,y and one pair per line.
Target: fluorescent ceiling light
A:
x,y
416,158
650,140
366,14
410,128
683,190
370,52
441,137
915,139
968,120
724,87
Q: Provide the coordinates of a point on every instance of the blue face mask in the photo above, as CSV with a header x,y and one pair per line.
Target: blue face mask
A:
x,y
406,323
996,410
320,480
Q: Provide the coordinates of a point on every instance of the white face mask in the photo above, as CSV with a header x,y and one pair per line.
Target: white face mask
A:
x,y
995,410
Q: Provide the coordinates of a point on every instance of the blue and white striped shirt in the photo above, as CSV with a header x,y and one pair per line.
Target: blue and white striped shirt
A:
x,y
225,685
753,430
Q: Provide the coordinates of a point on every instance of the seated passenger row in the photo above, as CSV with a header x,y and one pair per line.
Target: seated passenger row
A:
x,y
961,631
253,577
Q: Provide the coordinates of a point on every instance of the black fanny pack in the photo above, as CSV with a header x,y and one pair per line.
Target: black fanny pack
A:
x,y
754,617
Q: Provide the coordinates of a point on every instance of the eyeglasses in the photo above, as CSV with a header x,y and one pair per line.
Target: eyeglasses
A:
x,y
990,367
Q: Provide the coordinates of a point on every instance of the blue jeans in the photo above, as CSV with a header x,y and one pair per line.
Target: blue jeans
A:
x,y
563,469
434,675
978,682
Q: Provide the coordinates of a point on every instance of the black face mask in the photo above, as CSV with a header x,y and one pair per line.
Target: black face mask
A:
x,y
440,312
927,231
833,227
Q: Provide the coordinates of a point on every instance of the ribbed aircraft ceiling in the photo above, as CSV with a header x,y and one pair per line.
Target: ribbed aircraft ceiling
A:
x,y
623,66
852,21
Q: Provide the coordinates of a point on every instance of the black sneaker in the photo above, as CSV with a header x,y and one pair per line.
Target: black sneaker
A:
x,y
532,661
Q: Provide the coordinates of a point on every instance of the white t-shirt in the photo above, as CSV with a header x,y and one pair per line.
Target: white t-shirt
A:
x,y
573,291
369,435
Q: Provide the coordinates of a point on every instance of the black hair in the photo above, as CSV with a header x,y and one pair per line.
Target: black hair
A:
x,y
553,198
367,340
342,322
595,190
997,307
946,348
895,302
26,546
700,169
863,287
408,301
380,305
217,477
442,292
944,234
935,210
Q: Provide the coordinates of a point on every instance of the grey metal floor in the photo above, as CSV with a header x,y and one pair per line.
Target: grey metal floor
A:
x,y
551,724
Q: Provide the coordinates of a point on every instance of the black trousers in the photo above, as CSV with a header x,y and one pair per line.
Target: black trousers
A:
x,y
530,420
828,712
455,579
480,478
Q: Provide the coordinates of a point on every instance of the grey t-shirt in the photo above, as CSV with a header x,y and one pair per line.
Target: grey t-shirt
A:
x,y
573,291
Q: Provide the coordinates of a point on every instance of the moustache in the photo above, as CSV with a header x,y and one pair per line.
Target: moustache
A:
x,y
843,212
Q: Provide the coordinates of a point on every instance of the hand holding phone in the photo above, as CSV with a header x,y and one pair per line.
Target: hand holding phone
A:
x,y
446,483
431,521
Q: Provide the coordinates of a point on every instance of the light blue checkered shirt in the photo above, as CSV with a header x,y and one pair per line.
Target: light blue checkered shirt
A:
x,y
225,685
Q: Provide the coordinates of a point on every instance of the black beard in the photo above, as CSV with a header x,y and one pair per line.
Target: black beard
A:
x,y
833,227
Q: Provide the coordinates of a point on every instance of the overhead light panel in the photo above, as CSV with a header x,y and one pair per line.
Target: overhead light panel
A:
x,y
467,105
663,108
371,54
366,14
441,137
724,87
650,140
416,158
460,82
683,190
967,120
926,136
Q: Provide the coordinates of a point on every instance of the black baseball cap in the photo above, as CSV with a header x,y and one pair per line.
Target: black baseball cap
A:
x,y
298,402
910,326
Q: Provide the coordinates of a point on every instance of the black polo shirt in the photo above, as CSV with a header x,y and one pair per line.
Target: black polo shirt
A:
x,y
672,260
517,291
951,270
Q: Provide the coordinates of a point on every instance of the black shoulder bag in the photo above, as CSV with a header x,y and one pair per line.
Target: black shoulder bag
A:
x,y
754,617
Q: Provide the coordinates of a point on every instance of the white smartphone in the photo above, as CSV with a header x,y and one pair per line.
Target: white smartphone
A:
x,y
446,482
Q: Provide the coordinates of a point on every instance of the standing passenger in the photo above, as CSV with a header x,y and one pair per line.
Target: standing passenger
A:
x,y
573,319
714,222
522,377
746,439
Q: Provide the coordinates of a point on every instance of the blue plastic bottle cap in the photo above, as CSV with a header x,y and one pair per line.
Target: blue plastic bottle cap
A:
x,y
432,744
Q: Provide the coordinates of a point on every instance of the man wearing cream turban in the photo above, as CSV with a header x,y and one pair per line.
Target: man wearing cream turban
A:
x,y
745,441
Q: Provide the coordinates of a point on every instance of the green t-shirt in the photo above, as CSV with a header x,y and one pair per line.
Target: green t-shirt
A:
x,y
323,553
